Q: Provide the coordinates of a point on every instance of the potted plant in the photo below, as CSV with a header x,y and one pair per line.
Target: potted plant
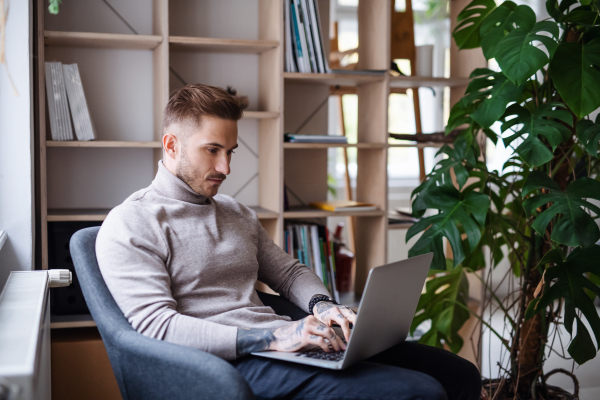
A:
x,y
539,207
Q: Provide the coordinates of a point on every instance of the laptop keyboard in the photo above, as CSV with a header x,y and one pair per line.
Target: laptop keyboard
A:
x,y
321,355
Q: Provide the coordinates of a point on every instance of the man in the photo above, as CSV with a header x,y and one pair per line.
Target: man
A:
x,y
181,262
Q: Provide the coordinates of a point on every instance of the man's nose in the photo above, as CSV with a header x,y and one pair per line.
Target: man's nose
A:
x,y
223,165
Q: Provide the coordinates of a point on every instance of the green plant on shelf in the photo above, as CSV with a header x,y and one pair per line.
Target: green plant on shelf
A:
x,y
536,212
53,6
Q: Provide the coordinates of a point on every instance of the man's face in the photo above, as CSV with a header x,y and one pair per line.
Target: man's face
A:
x,y
205,154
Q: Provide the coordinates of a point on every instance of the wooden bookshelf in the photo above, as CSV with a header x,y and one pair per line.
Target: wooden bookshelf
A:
x,y
332,79
329,145
209,45
407,82
104,143
101,40
99,214
415,145
277,161
399,226
301,213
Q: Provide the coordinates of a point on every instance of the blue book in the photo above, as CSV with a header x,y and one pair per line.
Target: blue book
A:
x,y
296,38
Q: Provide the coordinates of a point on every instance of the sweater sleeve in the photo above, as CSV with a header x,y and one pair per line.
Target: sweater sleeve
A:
x,y
284,274
133,256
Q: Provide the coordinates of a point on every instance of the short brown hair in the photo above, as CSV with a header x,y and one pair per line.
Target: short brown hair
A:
x,y
192,102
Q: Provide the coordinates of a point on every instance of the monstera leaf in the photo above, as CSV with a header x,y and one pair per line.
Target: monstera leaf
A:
x,y
467,209
566,280
575,71
501,21
556,9
588,134
466,34
576,227
516,54
441,175
542,122
489,92
445,304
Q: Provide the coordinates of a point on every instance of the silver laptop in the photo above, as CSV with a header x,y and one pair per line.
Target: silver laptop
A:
x,y
383,320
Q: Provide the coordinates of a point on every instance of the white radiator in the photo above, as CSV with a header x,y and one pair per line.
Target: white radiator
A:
x,y
25,334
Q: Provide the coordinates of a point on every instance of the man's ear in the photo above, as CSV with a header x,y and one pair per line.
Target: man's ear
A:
x,y
170,145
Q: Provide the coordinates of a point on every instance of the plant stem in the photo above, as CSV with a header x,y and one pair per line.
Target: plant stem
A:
x,y
502,340
512,322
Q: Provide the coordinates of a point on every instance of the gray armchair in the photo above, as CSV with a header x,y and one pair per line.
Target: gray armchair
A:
x,y
147,368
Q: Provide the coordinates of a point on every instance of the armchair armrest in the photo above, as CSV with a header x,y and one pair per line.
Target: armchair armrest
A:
x,y
160,370
282,306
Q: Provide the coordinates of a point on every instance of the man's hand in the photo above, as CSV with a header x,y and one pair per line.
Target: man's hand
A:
x,y
307,332
328,313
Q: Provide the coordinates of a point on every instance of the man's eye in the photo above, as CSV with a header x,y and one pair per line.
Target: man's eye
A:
x,y
213,151
232,152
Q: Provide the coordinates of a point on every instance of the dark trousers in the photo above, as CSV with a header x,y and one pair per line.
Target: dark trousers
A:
x,y
407,371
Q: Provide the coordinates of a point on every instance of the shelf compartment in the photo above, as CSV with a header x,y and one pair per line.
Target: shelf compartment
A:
x,y
331,79
101,40
408,82
71,321
103,143
307,212
288,145
210,45
99,214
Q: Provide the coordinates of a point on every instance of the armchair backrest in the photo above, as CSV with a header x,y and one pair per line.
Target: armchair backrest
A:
x,y
108,316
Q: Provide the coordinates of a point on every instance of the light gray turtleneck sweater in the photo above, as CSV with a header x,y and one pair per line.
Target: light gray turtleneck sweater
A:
x,y
182,267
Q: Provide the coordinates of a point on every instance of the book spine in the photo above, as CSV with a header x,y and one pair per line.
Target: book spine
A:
x,y
67,133
301,34
88,129
308,34
329,244
296,32
318,19
51,102
289,62
307,248
314,25
326,280
314,236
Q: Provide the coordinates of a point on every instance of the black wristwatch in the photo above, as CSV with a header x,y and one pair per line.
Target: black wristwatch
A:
x,y
317,298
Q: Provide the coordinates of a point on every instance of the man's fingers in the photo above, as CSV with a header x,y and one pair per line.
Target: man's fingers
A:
x,y
344,324
326,332
319,341
349,314
341,343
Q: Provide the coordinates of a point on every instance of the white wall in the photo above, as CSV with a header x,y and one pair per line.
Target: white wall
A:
x,y
16,144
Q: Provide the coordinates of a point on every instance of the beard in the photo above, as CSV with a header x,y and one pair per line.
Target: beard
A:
x,y
186,172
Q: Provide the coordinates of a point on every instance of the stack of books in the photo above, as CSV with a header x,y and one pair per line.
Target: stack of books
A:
x,y
294,138
310,245
304,50
65,92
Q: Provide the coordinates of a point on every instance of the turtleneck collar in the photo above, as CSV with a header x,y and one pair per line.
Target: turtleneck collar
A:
x,y
171,186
